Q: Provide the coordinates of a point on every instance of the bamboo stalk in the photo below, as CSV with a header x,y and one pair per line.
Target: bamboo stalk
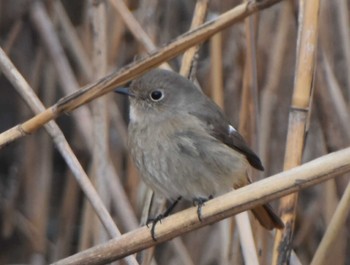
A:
x,y
298,117
295,179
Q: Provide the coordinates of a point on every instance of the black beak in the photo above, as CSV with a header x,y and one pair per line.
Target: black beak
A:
x,y
124,91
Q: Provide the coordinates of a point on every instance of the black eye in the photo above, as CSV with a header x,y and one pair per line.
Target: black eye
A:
x,y
156,95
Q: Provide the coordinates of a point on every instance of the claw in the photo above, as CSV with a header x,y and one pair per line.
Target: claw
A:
x,y
154,221
159,218
199,202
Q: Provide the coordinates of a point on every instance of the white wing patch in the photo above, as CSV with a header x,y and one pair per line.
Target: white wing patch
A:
x,y
231,129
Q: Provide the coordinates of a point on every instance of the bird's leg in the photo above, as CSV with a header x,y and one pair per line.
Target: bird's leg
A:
x,y
199,202
159,217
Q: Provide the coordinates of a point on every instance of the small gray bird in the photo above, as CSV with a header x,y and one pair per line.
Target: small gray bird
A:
x,y
184,146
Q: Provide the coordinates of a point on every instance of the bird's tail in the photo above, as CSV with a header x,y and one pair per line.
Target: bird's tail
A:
x,y
267,218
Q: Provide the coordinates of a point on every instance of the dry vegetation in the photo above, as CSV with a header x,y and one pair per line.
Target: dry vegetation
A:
x,y
278,69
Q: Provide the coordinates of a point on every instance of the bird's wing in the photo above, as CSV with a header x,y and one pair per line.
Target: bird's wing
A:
x,y
218,126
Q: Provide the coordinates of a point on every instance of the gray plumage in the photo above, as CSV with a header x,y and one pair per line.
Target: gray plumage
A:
x,y
182,143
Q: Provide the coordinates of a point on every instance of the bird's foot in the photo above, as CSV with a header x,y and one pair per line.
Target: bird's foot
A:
x,y
199,202
159,218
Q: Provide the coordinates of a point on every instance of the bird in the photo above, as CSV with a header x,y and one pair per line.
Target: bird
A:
x,y
184,146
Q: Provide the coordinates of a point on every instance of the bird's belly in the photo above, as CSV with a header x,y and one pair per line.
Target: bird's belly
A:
x,y
173,173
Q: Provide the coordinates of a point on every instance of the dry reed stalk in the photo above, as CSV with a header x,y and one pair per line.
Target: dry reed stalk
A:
x,y
128,73
31,99
338,100
40,200
146,14
13,35
74,46
343,21
269,96
247,118
331,236
133,25
247,125
334,139
65,75
100,116
87,224
67,218
115,39
182,251
119,197
295,179
298,118
118,123
123,207
269,100
100,152
216,73
246,239
135,28
188,58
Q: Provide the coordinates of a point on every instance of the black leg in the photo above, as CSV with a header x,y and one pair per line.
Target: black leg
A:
x,y
159,218
199,202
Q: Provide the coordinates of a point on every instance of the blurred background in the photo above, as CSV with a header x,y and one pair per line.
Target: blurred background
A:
x,y
44,216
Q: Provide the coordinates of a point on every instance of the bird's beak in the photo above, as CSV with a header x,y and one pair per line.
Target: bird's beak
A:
x,y
124,91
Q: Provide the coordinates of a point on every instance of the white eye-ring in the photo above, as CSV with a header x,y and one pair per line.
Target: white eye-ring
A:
x,y
156,95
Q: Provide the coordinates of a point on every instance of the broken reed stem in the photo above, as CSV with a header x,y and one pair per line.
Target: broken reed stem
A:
x,y
188,59
298,117
295,179
133,70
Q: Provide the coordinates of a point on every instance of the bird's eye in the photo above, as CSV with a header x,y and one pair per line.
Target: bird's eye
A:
x,y
157,95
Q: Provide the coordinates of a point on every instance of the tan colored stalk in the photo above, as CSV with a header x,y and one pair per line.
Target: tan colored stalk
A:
x,y
298,119
295,179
